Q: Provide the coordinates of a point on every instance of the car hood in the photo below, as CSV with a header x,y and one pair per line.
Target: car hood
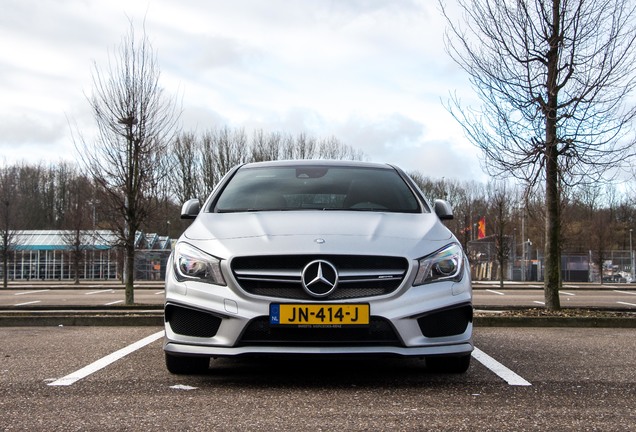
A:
x,y
227,234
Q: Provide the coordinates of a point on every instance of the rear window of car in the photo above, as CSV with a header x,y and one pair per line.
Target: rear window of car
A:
x,y
316,188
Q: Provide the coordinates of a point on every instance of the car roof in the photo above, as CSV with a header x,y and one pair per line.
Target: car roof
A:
x,y
317,162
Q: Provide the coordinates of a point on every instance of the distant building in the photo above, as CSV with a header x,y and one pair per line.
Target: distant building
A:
x,y
51,254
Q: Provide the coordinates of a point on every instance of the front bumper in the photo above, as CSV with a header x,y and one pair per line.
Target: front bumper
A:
x,y
428,320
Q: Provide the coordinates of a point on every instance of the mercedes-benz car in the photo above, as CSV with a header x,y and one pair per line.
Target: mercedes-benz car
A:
x,y
318,258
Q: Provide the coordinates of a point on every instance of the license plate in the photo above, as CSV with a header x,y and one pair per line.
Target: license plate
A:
x,y
319,315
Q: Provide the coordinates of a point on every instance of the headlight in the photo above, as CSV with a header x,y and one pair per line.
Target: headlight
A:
x,y
445,264
191,263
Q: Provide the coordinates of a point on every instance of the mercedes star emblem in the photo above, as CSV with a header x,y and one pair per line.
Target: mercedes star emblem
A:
x,y
319,278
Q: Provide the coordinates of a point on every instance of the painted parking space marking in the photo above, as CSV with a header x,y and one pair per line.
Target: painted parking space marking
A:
x,y
113,303
625,292
31,292
627,304
495,292
105,361
500,370
100,292
567,293
28,303
539,302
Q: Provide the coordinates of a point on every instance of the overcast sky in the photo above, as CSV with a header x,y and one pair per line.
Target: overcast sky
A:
x,y
372,73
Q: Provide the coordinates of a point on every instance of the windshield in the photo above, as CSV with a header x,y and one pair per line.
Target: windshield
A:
x,y
317,188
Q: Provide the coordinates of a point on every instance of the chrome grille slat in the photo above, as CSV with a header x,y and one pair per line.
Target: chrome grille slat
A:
x,y
270,272
272,279
280,276
367,273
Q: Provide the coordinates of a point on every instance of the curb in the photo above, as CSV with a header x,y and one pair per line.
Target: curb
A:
x,y
83,317
580,322
81,321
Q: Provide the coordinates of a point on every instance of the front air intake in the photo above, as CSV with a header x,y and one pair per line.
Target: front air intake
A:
x,y
191,322
448,322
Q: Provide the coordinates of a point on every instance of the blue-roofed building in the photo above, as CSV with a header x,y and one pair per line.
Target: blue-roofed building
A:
x,y
56,254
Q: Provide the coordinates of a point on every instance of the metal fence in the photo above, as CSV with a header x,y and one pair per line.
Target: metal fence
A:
x,y
524,263
94,264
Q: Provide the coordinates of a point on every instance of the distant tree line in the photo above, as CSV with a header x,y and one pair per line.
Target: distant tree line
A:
x,y
199,161
595,218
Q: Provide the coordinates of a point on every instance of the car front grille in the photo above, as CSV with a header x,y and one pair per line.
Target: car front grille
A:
x,y
378,333
191,322
280,275
448,322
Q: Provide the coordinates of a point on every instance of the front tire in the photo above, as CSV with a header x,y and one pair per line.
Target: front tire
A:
x,y
183,365
448,364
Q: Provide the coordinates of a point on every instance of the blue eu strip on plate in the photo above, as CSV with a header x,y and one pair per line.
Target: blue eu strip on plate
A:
x,y
274,314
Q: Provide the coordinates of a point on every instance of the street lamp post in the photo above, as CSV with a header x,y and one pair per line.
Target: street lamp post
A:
x,y
631,255
523,245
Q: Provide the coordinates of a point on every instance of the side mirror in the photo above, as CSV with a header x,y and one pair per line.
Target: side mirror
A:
x,y
443,210
190,209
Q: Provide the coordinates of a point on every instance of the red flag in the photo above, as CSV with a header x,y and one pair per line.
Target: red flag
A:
x,y
481,228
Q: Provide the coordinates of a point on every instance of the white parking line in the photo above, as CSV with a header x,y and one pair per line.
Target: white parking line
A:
x,y
500,370
31,292
112,303
625,292
567,293
626,304
28,303
539,302
495,292
160,292
100,292
105,361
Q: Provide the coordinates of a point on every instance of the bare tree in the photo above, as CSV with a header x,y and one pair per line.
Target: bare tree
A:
x,y
332,148
136,122
554,78
77,223
8,178
185,177
265,146
304,147
501,216
221,149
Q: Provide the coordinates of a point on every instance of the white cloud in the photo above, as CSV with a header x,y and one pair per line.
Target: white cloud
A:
x,y
371,73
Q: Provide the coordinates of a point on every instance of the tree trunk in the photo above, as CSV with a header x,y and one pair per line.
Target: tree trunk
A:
x,y
5,270
5,258
552,277
129,270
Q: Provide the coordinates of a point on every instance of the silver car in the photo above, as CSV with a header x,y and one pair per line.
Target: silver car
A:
x,y
317,258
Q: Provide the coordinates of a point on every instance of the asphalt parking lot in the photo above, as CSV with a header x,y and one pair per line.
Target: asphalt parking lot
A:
x,y
98,378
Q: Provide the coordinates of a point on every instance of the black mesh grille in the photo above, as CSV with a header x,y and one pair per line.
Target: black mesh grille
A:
x,y
280,275
190,322
379,332
447,322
